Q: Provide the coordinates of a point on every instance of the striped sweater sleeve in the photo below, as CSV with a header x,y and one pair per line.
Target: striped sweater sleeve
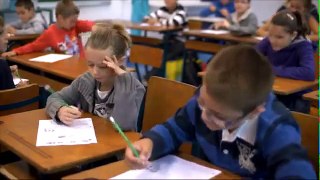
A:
x,y
177,18
167,137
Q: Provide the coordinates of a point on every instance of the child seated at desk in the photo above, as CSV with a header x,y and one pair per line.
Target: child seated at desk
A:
x,y
172,14
313,11
235,120
62,36
107,89
302,6
29,23
290,54
219,8
6,71
242,22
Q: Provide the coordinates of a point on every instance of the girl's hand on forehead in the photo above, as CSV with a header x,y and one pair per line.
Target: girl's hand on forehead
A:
x,y
113,64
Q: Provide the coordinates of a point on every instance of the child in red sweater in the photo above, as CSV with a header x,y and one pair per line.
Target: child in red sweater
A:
x,y
61,37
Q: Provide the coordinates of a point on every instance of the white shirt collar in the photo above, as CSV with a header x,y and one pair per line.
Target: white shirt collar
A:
x,y
247,132
242,17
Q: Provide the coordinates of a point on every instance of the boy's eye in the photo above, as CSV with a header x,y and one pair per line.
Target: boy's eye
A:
x,y
90,65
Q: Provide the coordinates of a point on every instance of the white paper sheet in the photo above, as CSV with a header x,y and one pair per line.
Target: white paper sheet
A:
x,y
16,80
171,167
259,37
146,24
52,134
51,58
211,31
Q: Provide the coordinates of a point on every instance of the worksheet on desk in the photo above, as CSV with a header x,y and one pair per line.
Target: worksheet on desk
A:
x,y
52,134
171,167
51,58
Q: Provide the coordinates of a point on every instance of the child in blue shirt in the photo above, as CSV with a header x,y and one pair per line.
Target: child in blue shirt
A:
x,y
290,54
221,8
235,120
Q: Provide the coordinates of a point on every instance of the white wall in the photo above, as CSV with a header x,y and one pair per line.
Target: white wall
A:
x,y
121,9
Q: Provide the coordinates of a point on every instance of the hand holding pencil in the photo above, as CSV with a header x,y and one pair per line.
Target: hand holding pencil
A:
x,y
144,147
66,113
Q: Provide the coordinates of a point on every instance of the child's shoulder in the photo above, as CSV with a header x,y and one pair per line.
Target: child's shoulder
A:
x,y
275,113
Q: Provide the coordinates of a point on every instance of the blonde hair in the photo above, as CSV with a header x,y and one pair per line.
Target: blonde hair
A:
x,y
112,36
66,8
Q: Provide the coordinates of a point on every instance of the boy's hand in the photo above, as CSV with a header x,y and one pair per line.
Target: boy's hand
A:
x,y
67,114
8,54
14,69
113,64
144,147
222,24
224,12
212,8
22,84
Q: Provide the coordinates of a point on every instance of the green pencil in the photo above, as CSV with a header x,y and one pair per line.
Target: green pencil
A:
x,y
135,152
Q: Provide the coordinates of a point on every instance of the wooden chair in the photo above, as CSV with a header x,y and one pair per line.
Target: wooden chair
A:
x,y
19,99
309,134
164,97
145,55
16,170
194,24
14,101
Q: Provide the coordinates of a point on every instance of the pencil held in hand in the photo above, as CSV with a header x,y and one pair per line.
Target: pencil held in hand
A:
x,y
124,137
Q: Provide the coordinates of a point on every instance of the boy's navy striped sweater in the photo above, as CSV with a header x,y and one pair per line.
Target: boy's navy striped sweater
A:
x,y
269,148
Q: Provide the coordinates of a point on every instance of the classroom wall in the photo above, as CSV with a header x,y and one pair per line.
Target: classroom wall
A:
x,y
121,9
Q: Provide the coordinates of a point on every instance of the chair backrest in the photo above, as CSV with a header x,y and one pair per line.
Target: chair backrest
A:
x,y
194,24
146,55
19,99
163,99
309,134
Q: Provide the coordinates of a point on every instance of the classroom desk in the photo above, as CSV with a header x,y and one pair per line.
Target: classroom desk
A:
x,y
23,37
18,133
285,86
114,169
226,37
69,68
20,40
312,96
63,72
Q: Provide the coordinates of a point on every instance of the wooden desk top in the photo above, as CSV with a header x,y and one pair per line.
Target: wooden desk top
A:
x,y
19,133
205,19
141,26
69,68
226,37
285,86
23,37
312,96
114,169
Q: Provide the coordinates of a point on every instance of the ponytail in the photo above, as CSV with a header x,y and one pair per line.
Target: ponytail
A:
x,y
291,21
